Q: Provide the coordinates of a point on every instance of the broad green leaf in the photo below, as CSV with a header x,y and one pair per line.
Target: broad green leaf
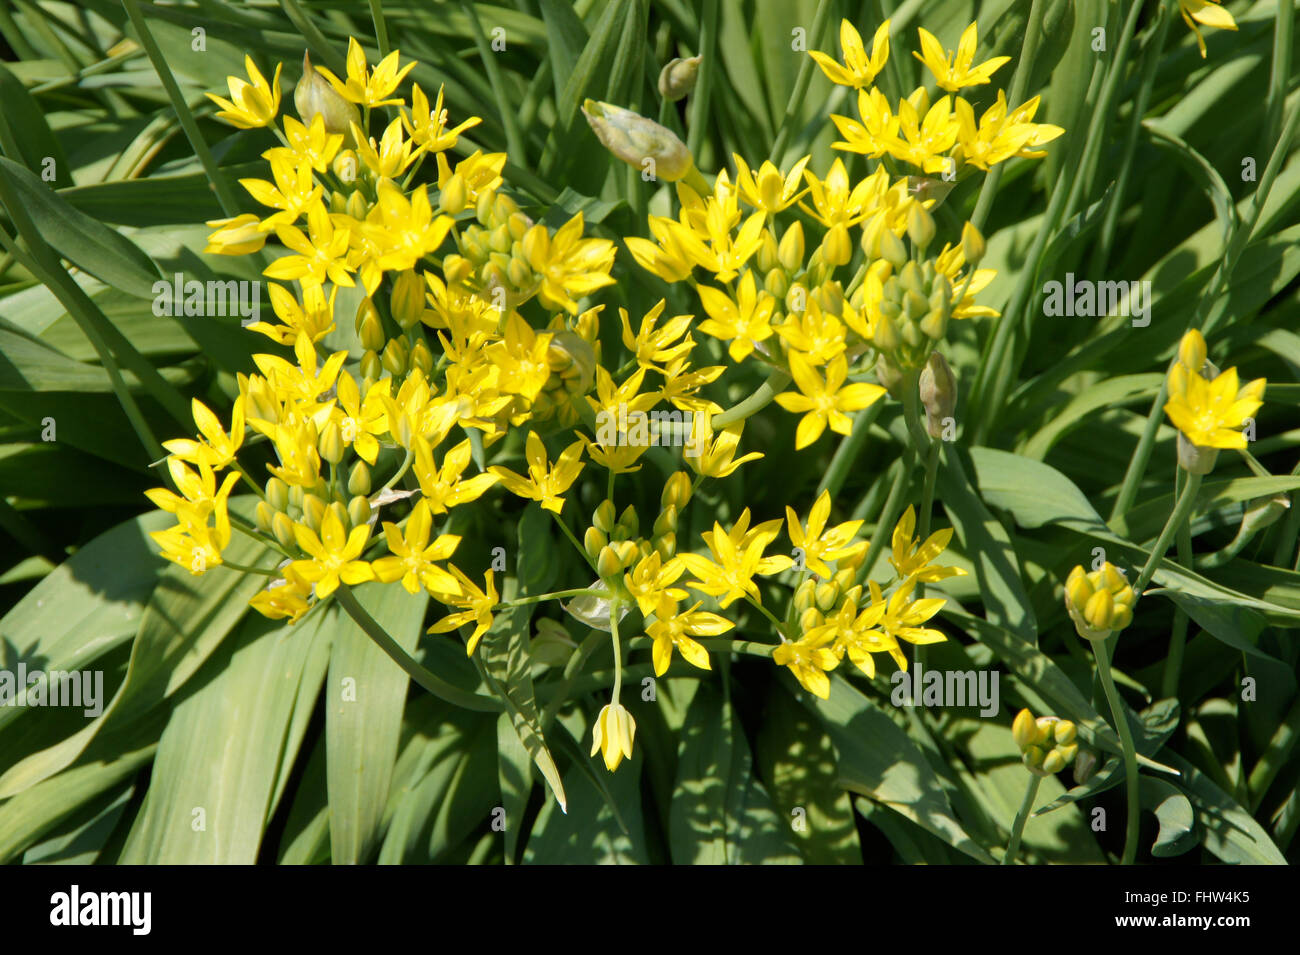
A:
x,y
213,786
365,695
108,255
879,760
721,814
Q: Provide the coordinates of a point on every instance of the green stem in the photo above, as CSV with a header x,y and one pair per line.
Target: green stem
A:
x,y
800,91
1033,31
1182,510
556,595
1275,757
1018,827
425,678
1102,649
381,30
698,114
1241,230
1178,640
760,399
244,568
225,195
614,607
509,116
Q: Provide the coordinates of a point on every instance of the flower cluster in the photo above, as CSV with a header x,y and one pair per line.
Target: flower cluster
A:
x,y
474,332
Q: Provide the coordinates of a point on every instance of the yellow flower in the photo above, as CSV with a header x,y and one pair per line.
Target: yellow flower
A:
x,y
657,344
998,136
198,488
293,192
428,127
388,158
744,322
913,562
255,104
714,455
904,616
809,659
333,555
312,320
673,628
215,448
878,126
544,483
238,235
925,142
443,487
1206,12
401,232
288,597
824,402
364,87
737,557
859,70
1099,602
819,544
312,144
570,266
768,189
413,555
478,606
651,581
320,257
191,543
612,735
954,71
1210,412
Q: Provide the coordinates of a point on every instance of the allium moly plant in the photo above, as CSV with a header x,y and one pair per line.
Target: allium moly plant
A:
x,y
653,437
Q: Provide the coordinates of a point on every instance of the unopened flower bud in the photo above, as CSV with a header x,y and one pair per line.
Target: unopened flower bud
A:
x,y
938,391
633,138
314,96
408,299
359,479
677,78
790,252
330,444
359,511
920,226
972,244
677,491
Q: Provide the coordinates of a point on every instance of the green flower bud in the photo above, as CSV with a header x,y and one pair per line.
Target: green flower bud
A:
x,y
282,528
341,512
263,514
371,367
330,443
454,195
666,545
277,494
314,96
604,517
972,244
633,138
313,511
370,330
359,511
938,391
359,479
920,226
608,564
1024,729
837,248
790,252
677,491
408,299
677,78
593,541
395,357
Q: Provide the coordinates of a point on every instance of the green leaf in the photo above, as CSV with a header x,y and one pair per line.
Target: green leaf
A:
x,y
720,813
25,136
987,545
185,620
796,756
364,697
108,255
1174,813
1230,832
879,760
213,786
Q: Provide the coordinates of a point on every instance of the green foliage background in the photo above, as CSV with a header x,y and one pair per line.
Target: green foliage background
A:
x,y
214,707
